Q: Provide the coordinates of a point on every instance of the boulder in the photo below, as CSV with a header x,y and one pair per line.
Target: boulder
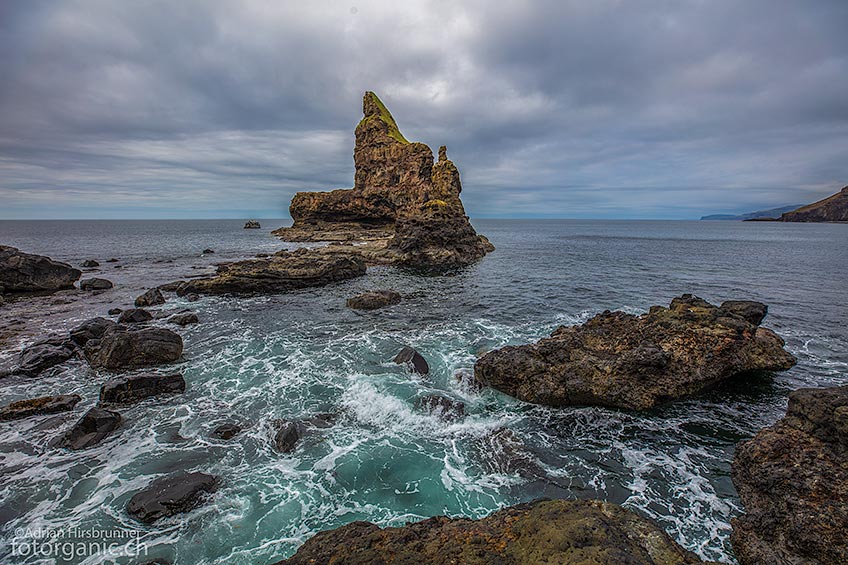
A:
x,y
208,251
251,225
38,406
95,284
152,297
545,531
91,429
288,434
284,272
226,431
138,387
373,300
122,348
24,272
413,360
169,495
184,319
442,407
134,316
90,329
45,354
90,264
637,362
792,479
115,311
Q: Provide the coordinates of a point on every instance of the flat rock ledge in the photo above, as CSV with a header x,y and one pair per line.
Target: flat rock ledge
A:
x,y
39,406
793,481
285,271
638,362
558,531
169,495
25,272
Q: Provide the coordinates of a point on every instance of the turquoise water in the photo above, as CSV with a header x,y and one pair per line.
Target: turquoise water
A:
x,y
287,356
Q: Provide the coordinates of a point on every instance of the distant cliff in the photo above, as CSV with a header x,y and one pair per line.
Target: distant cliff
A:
x,y
770,213
831,209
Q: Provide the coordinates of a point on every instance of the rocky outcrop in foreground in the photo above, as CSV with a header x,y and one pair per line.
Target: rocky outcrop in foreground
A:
x,y
637,362
403,209
793,482
169,495
285,271
24,272
831,209
559,531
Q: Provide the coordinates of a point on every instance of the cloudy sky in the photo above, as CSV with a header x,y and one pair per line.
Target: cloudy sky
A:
x,y
573,109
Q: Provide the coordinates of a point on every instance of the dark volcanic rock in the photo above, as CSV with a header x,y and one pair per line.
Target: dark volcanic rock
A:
x,y
831,209
413,360
637,362
287,435
38,406
373,300
24,272
442,407
251,225
792,479
550,531
284,272
170,495
90,264
137,387
90,429
45,354
183,319
152,297
398,189
121,348
95,284
91,329
134,316
226,431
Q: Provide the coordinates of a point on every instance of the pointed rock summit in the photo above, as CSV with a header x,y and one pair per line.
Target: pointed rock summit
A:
x,y
403,209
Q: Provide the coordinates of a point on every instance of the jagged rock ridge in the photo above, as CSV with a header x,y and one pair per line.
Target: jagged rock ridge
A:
x,y
831,209
405,206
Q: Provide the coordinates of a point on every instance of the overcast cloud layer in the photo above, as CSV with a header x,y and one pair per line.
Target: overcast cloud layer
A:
x,y
601,109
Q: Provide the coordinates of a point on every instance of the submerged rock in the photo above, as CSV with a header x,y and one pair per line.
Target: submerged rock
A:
x,y
138,387
287,436
637,362
548,531
208,251
134,316
251,225
284,272
413,360
226,431
373,300
121,348
152,297
25,272
792,479
90,264
45,354
38,406
91,429
404,204
170,495
442,407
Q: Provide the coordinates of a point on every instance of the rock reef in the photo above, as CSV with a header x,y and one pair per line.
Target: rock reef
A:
x,y
403,209
831,209
637,362
553,531
793,481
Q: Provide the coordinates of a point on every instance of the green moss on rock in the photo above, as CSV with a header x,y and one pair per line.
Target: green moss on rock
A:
x,y
374,108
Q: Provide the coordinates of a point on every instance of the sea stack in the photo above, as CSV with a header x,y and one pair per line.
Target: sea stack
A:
x,y
404,208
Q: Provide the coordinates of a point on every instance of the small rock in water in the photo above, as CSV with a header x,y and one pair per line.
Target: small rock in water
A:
x,y
90,429
183,319
114,311
90,264
373,300
170,495
138,387
95,284
442,407
122,348
251,225
413,360
287,436
45,354
39,406
226,431
208,251
192,297
134,316
112,260
152,297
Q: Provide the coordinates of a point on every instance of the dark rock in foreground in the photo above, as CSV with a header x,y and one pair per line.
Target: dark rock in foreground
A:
x,y
91,429
45,354
831,209
38,406
226,431
373,300
557,531
138,387
152,297
95,284
25,272
170,495
284,272
793,481
620,360
134,316
413,360
121,348
442,407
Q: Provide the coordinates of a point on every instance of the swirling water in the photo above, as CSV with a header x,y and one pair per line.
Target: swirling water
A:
x,y
252,360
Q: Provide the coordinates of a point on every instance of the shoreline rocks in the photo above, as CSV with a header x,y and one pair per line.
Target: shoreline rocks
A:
x,y
25,272
134,388
547,531
134,316
152,297
90,430
638,362
95,284
792,478
169,495
373,300
44,354
39,406
122,348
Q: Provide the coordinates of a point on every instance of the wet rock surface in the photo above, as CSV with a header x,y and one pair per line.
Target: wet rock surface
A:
x,y
414,361
121,348
169,495
90,329
442,407
560,531
184,319
25,272
39,406
138,387
637,362
90,430
373,300
288,434
152,297
792,479
45,354
95,284
226,431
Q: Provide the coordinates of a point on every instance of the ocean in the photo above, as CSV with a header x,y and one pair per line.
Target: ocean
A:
x,y
252,360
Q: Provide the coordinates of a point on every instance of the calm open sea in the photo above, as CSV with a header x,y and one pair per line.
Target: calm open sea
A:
x,y
256,359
